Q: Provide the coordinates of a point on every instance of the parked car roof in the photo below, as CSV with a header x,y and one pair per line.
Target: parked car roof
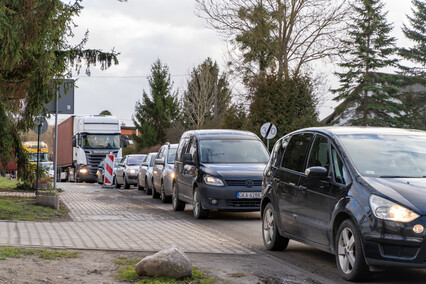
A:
x,y
342,130
220,133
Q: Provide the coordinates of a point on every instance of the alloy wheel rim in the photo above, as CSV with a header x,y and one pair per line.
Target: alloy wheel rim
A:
x,y
268,226
346,250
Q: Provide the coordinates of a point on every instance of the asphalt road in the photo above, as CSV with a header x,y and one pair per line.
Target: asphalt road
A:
x,y
246,228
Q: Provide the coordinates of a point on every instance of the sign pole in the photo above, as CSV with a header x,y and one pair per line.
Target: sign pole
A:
x,y
55,165
38,151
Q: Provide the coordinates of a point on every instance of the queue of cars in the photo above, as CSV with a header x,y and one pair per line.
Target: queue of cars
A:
x,y
356,192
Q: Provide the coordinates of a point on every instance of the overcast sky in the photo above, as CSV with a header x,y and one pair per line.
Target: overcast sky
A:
x,y
146,30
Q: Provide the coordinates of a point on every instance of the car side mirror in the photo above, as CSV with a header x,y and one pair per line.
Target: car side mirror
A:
x,y
187,159
121,164
145,164
316,173
159,161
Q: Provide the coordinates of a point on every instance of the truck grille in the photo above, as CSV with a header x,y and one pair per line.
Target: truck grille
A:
x,y
236,182
93,162
243,203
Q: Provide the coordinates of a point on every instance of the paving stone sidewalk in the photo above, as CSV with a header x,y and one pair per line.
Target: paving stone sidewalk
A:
x,y
99,223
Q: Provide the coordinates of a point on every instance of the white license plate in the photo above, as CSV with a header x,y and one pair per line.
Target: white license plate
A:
x,y
241,195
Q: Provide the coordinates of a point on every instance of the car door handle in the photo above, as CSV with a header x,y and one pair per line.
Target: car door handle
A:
x,y
303,188
277,180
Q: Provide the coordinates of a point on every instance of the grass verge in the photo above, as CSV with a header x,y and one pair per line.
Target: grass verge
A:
x,y
8,184
26,209
11,252
126,271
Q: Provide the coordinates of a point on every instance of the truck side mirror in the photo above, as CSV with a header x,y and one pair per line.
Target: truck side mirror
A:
x,y
74,142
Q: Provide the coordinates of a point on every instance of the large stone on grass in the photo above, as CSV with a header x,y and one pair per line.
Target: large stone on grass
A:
x,y
168,263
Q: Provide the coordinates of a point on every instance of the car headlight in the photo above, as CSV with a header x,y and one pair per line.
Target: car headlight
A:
x,y
213,181
388,210
171,175
131,171
83,171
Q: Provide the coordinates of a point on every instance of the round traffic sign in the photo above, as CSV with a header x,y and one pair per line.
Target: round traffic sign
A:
x,y
43,126
268,130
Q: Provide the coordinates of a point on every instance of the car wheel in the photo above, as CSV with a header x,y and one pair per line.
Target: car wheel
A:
x,y
155,194
197,209
148,190
163,197
349,255
177,204
117,185
139,186
126,184
271,236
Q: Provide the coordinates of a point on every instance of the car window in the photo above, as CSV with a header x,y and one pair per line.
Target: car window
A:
x,y
135,160
233,151
171,156
192,149
181,149
151,162
319,155
294,156
160,153
340,173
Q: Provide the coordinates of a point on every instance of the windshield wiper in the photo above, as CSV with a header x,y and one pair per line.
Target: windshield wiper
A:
x,y
399,176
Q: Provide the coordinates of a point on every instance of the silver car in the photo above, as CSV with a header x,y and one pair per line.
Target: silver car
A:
x,y
127,171
163,173
145,173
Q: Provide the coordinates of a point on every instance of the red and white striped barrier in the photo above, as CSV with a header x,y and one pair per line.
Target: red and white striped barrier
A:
x,y
109,162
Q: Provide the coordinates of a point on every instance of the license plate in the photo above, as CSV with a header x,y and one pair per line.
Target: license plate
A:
x,y
241,195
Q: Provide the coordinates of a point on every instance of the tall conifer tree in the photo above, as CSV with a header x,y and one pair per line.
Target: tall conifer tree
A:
x,y
156,111
370,97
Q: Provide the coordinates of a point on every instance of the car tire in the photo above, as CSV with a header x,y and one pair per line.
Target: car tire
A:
x,y
178,205
272,238
117,185
155,194
197,209
126,184
349,253
148,190
163,197
139,186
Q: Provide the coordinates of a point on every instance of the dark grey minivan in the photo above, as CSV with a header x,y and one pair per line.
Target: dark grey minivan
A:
x,y
218,170
359,193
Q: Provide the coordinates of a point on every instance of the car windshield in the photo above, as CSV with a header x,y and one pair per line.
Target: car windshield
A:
x,y
234,151
171,156
101,141
135,160
390,156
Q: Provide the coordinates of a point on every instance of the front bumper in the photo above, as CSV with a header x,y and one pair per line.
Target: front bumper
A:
x,y
226,198
389,243
132,178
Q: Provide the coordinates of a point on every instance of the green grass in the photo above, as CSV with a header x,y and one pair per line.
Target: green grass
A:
x,y
25,209
127,272
8,184
10,252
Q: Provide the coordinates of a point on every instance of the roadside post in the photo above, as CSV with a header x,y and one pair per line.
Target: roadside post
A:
x,y
41,127
268,131
108,170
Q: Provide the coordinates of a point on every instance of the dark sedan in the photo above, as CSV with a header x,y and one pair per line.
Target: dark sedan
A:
x,y
359,193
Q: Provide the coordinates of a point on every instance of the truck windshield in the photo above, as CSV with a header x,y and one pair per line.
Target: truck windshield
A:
x,y
32,157
101,141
